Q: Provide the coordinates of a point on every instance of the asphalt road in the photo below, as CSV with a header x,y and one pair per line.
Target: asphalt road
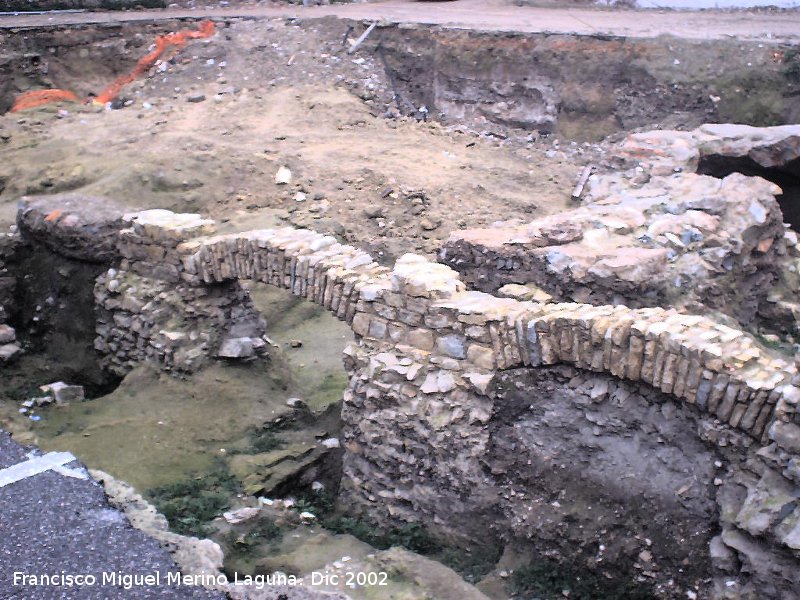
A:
x,y
52,523
483,15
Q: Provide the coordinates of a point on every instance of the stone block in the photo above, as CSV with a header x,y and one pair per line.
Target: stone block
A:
x,y
421,338
63,393
481,356
7,334
241,347
377,328
360,324
786,435
453,346
9,351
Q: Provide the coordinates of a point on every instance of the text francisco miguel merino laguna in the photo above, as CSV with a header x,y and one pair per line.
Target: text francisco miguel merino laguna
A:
x,y
131,580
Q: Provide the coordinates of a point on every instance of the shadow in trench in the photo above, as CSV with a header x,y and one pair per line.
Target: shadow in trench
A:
x,y
787,177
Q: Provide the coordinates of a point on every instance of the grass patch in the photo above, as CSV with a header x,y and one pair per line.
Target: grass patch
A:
x,y
243,545
472,565
329,391
411,536
551,580
261,440
320,504
264,441
190,504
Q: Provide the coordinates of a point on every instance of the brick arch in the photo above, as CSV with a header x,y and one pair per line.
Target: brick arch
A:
x,y
306,263
464,336
719,370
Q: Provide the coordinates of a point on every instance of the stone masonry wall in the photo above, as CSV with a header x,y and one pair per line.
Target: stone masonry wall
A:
x,y
680,240
178,326
426,405
143,311
655,234
9,348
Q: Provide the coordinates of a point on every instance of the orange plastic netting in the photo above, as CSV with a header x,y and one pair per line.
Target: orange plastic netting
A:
x,y
176,40
40,97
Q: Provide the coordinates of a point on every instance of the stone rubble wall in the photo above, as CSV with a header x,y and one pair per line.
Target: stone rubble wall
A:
x,y
657,233
9,346
684,240
422,397
420,403
175,325
425,306
666,151
444,458
146,312
143,312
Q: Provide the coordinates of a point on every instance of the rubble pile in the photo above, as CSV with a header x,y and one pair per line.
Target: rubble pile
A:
x,y
677,240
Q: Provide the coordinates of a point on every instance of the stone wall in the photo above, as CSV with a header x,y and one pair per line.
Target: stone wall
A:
x,y
668,151
656,234
143,312
588,469
452,393
684,240
178,326
9,347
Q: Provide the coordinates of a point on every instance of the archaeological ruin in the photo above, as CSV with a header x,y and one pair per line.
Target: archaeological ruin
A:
x,y
561,369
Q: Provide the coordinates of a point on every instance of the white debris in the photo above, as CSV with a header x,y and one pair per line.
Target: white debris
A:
x,y
240,515
283,176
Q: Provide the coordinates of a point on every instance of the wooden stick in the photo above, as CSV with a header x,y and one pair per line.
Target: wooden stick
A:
x,y
361,39
581,184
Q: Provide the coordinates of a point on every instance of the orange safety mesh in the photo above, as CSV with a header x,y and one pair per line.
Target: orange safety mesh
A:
x,y
163,42
176,39
40,97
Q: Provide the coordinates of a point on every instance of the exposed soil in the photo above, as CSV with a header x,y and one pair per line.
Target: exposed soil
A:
x,y
276,94
208,129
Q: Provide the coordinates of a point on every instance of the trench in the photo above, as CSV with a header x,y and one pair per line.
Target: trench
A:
x,y
195,443
581,88
198,444
53,308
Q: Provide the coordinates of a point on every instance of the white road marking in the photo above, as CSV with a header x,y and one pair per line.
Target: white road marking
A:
x,y
39,464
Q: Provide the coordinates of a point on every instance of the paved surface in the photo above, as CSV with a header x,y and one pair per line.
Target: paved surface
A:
x,y
485,15
51,523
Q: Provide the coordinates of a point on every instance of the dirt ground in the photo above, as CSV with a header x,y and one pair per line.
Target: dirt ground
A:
x,y
551,16
388,185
